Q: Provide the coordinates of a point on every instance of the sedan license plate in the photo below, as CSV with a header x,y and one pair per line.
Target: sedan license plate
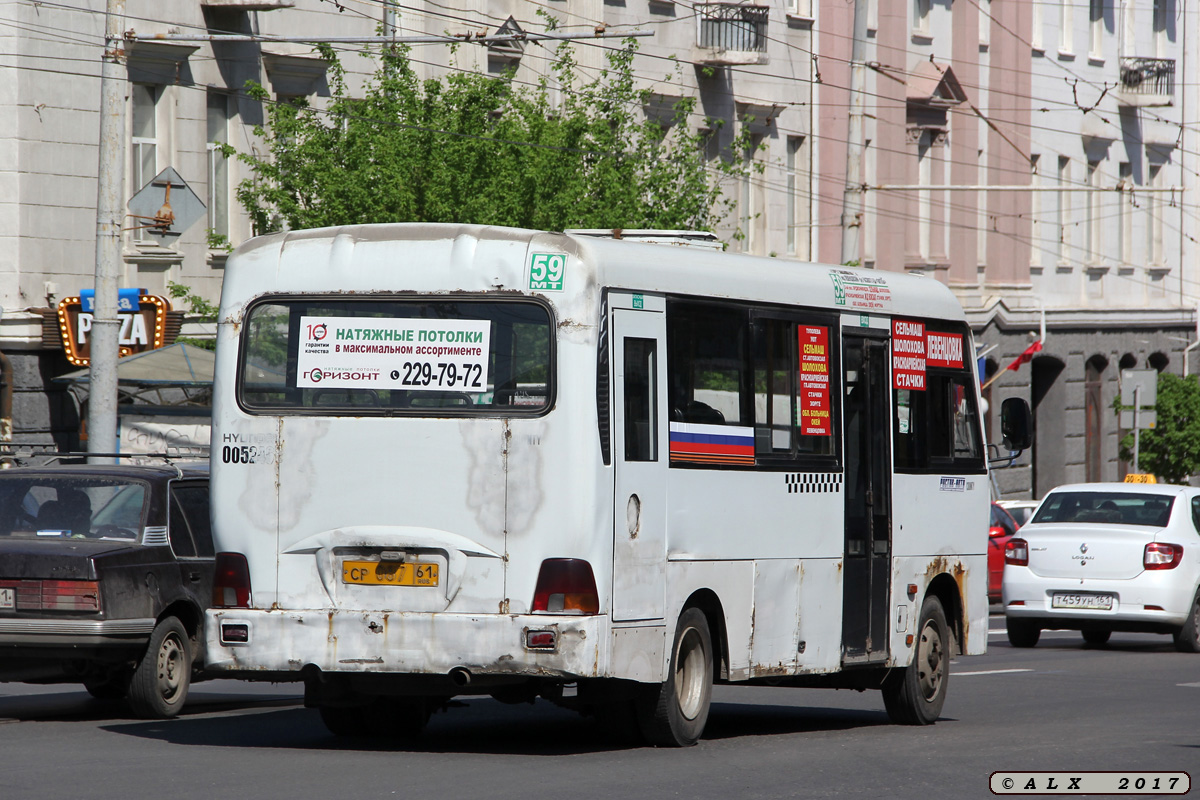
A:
x,y
1092,602
389,573
8,598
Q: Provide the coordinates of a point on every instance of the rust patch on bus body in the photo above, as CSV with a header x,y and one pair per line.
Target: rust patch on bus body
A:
x,y
941,565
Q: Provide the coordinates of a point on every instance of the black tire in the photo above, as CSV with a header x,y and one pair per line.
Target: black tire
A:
x,y
112,687
1096,636
1022,632
384,718
915,694
673,714
159,686
1187,638
343,720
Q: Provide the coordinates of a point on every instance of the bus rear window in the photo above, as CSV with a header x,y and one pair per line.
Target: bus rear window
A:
x,y
396,356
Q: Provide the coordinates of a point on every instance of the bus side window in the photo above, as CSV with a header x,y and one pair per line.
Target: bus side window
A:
x,y
938,427
774,392
707,364
641,424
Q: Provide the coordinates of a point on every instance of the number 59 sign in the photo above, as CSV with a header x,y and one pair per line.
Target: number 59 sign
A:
x,y
546,272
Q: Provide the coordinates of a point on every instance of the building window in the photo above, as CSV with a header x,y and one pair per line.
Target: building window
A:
x,y
1095,217
1036,39
1096,29
800,8
1094,413
924,195
1063,210
920,20
1125,213
1065,21
218,164
145,134
143,143
752,212
799,199
1154,213
1035,211
1160,28
981,216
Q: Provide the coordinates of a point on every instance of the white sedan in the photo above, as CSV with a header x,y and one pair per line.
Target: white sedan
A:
x,y
1104,557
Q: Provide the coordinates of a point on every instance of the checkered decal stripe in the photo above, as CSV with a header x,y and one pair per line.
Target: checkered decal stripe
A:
x,y
810,482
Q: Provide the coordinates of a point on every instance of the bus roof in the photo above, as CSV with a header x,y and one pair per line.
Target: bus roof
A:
x,y
362,258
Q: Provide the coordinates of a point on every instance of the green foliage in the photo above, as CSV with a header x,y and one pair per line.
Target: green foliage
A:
x,y
1172,450
206,311
218,241
472,148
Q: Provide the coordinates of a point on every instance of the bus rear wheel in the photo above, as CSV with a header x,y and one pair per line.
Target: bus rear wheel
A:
x,y
384,718
915,694
674,713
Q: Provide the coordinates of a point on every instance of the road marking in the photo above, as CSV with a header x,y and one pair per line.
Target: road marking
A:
x,y
993,672
1190,685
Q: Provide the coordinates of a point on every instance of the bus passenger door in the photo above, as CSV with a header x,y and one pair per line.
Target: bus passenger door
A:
x,y
866,566
640,453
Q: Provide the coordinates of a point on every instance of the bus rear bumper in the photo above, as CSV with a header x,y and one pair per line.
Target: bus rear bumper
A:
x,y
279,642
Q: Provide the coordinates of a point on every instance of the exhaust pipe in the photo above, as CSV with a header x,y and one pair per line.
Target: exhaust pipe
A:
x,y
461,676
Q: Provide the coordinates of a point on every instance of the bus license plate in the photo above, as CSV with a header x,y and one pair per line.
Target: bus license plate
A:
x,y
389,573
1094,602
8,598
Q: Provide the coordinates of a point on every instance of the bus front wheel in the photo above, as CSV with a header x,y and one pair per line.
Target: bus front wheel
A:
x,y
673,714
915,694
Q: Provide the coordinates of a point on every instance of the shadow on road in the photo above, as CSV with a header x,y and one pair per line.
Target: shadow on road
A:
x,y
483,727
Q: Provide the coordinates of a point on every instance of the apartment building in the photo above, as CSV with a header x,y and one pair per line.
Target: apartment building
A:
x,y
1034,157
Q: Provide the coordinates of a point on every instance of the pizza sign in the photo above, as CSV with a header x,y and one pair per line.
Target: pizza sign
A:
x,y
143,324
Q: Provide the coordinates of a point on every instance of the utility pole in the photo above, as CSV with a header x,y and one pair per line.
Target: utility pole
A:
x,y
852,198
106,326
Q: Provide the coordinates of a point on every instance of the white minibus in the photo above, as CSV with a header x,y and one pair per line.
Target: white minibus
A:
x,y
609,471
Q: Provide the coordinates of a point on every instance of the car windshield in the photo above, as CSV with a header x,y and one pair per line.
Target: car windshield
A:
x,y
1108,508
54,507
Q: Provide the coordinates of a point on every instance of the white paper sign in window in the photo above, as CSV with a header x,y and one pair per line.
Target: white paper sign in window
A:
x,y
412,354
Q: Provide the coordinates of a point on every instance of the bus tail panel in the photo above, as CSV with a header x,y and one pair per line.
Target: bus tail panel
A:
x,y
406,643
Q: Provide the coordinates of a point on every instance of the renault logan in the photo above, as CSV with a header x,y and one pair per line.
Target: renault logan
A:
x,y
1104,557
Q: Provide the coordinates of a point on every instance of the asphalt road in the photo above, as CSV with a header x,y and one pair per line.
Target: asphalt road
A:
x,y
1133,704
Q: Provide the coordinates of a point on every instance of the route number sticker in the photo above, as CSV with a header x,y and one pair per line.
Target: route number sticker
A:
x,y
546,272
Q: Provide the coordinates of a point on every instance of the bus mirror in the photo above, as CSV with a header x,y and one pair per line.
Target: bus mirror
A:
x,y
1016,423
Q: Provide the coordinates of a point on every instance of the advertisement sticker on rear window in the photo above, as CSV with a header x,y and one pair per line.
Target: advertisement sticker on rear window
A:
x,y
414,354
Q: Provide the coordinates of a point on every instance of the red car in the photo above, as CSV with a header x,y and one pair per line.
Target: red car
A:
x,y
1002,528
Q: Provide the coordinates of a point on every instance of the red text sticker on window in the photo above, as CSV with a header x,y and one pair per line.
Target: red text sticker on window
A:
x,y
944,350
908,355
814,381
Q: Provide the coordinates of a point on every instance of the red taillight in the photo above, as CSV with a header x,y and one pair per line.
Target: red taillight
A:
x,y
566,586
231,584
70,595
1160,555
1016,552
35,595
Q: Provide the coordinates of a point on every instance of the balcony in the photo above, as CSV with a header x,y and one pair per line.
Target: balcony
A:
x,y
731,34
1147,82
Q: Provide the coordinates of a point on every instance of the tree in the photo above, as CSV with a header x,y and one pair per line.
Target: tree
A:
x,y
473,148
1172,449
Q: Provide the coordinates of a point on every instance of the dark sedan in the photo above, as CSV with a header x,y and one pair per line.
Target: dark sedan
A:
x,y
105,573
